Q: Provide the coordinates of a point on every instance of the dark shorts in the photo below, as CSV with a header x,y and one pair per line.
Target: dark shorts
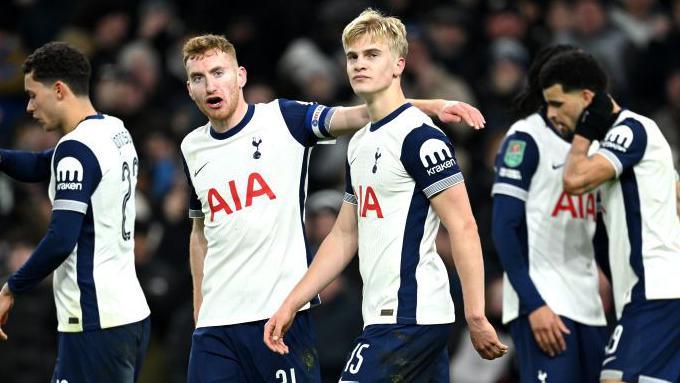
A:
x,y
236,353
110,355
399,353
579,363
645,345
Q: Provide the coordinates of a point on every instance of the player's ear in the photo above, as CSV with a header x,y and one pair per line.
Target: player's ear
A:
x,y
242,77
59,89
399,66
587,96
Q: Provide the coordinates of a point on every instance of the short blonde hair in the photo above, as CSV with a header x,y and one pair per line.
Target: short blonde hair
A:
x,y
376,25
199,45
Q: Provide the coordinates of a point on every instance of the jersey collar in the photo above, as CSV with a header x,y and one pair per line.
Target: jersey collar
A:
x,y
231,132
376,125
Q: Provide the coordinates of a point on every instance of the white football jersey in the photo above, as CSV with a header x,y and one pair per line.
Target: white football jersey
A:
x,y
640,212
558,247
94,172
249,186
395,166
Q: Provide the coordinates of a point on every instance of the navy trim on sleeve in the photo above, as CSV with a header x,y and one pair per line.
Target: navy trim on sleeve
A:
x,y
26,166
429,157
624,145
195,207
509,234
62,236
516,163
306,121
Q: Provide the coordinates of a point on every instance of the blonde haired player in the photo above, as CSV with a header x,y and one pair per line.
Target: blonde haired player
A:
x,y
402,179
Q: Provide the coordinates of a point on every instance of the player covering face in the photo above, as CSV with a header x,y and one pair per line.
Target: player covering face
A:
x,y
634,169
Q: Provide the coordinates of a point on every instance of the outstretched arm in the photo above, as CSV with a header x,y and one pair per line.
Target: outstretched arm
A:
x,y
198,248
26,166
453,207
335,252
451,111
347,120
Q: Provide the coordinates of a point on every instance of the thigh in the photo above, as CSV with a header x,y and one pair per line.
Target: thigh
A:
x,y
592,340
300,365
399,353
537,366
144,329
645,343
211,359
99,355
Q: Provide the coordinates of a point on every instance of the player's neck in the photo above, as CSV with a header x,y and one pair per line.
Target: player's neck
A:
x,y
75,112
381,104
237,116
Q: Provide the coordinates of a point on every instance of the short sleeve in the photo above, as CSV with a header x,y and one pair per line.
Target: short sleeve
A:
x,y
349,197
624,145
195,207
516,163
307,122
428,156
77,174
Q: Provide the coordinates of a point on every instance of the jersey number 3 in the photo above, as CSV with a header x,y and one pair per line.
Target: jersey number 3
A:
x,y
127,176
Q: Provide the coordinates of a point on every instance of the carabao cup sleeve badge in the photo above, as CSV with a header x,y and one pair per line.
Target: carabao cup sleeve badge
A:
x,y
514,153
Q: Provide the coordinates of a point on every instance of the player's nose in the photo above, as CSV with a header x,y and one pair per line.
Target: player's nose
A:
x,y
552,113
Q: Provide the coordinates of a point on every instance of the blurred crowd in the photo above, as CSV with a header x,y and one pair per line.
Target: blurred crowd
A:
x,y
475,51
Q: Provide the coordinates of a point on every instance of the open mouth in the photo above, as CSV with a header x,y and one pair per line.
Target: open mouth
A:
x,y
214,102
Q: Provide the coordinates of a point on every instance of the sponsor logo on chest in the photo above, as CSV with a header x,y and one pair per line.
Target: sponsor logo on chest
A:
x,y
228,200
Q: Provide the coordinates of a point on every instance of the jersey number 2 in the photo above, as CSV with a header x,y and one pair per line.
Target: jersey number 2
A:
x,y
127,176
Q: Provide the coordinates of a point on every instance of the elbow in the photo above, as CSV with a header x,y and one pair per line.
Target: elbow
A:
x,y
63,245
468,226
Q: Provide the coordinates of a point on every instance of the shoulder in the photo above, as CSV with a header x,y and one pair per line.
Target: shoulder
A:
x,y
195,136
414,119
531,125
356,139
93,133
630,129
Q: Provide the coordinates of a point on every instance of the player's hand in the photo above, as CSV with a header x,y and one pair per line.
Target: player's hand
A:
x,y
276,327
457,111
548,330
597,118
6,303
485,340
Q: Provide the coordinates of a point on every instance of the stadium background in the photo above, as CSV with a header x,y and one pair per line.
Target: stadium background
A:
x,y
471,50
